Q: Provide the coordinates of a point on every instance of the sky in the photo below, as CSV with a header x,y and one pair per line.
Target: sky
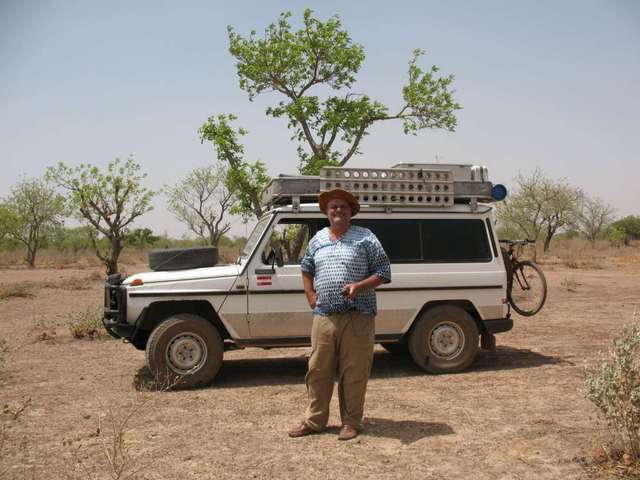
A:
x,y
553,85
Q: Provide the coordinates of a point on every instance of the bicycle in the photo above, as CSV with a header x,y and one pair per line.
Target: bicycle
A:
x,y
526,284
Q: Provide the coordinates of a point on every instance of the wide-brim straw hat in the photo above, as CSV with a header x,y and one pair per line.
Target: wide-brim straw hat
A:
x,y
326,197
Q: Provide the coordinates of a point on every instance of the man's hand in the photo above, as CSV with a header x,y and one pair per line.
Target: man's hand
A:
x,y
350,290
312,298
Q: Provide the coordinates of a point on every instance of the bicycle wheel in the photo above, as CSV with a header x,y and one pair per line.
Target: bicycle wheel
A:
x,y
528,289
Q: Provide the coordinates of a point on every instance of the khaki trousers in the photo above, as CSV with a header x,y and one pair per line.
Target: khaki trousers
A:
x,y
341,344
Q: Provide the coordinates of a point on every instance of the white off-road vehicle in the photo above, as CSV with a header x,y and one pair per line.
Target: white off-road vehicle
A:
x,y
447,294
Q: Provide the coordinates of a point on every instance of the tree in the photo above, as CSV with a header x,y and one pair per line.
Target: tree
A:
x,y
322,56
539,207
593,217
200,200
246,180
108,201
140,238
71,239
5,221
630,225
30,213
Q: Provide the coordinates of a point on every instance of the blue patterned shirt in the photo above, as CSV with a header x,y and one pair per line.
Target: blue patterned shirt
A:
x,y
357,255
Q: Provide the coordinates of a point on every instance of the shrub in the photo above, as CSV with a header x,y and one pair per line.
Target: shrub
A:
x,y
617,237
630,225
87,324
44,329
613,385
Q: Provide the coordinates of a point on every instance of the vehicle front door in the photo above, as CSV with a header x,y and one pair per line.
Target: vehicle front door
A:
x,y
277,305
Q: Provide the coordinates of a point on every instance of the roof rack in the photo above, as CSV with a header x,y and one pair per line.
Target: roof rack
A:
x,y
404,184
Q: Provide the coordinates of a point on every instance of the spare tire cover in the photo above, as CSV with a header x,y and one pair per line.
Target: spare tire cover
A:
x,y
183,258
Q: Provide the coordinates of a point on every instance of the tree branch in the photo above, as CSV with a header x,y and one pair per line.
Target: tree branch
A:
x,y
354,146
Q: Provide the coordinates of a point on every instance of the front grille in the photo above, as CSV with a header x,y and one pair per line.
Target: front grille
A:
x,y
114,306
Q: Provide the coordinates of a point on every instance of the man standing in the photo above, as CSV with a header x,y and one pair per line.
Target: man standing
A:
x,y
343,265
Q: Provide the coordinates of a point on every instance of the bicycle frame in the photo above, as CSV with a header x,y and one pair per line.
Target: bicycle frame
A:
x,y
514,268
518,274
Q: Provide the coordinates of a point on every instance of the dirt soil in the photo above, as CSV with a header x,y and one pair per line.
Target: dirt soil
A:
x,y
517,413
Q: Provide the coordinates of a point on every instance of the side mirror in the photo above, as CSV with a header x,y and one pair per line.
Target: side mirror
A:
x,y
274,257
278,258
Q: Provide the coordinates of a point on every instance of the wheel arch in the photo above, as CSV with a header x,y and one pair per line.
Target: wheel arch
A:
x,y
455,347
464,304
157,312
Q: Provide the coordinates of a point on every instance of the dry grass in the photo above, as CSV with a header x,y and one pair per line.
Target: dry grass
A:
x,y
108,450
569,284
44,329
50,258
9,416
580,254
4,350
72,283
16,290
609,461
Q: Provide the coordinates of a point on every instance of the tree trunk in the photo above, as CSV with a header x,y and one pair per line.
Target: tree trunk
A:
x,y
112,263
551,231
31,243
31,257
298,241
257,208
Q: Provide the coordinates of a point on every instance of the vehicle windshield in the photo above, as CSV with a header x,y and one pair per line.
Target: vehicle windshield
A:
x,y
255,237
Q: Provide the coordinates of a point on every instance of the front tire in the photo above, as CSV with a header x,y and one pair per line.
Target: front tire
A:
x,y
185,350
445,340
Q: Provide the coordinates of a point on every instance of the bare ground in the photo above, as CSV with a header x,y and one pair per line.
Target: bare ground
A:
x,y
517,413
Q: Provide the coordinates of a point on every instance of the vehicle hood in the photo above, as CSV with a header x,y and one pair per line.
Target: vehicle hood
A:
x,y
191,274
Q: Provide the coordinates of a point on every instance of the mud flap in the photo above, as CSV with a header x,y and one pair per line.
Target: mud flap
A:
x,y
488,341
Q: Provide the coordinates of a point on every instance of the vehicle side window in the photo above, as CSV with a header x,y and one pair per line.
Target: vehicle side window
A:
x,y
431,241
292,237
454,240
399,238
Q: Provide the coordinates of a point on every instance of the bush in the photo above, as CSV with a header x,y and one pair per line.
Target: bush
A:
x,y
613,385
630,225
617,237
87,324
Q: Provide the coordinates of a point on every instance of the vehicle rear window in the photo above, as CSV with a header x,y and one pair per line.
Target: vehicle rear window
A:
x,y
454,240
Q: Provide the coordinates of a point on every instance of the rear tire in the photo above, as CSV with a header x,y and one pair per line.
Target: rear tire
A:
x,y
185,351
445,340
